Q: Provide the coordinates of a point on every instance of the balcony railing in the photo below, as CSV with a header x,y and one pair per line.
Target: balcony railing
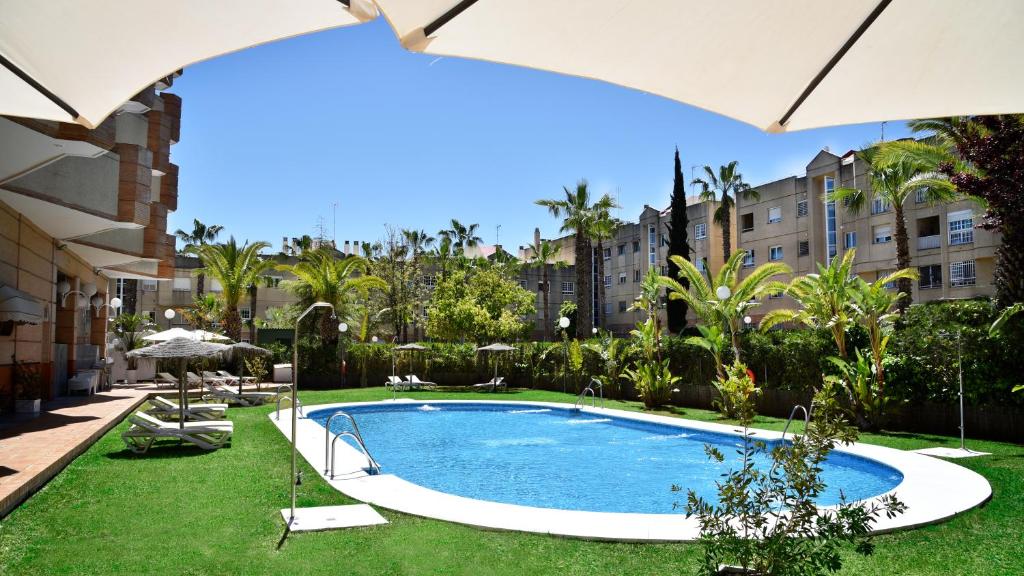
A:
x,y
928,242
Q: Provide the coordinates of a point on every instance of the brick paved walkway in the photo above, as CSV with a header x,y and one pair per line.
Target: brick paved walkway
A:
x,y
34,451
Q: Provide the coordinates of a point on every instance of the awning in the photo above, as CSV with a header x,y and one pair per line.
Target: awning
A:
x,y
779,66
76,61
19,307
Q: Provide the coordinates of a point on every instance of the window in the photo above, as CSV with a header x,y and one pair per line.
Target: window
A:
x,y
801,208
701,266
607,280
774,295
607,308
245,313
149,285
636,246
882,234
930,276
215,285
608,253
775,214
962,273
748,260
568,287
664,270
803,248
540,287
431,281
622,249
961,227
830,216
850,240
622,277
652,249
880,205
664,239
636,275
149,315
700,231
522,284
882,274
747,222
622,306
921,196
182,284
775,253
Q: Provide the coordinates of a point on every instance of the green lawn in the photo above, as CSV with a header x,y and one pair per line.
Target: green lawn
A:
x,y
184,511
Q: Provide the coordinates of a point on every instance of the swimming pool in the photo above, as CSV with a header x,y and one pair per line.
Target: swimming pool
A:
x,y
594,473
562,458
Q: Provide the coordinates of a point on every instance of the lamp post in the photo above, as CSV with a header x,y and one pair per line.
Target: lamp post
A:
x,y
563,323
169,314
295,478
342,329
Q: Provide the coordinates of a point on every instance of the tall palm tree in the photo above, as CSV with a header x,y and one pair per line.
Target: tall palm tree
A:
x,y
579,216
236,268
419,243
825,298
724,188
894,180
744,294
321,277
200,234
874,305
461,235
544,255
604,227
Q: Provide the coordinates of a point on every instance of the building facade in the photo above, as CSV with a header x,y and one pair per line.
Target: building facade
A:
x,y
79,209
794,222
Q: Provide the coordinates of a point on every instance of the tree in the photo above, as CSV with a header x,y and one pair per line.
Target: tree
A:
x,y
647,301
678,243
482,305
236,268
894,181
983,157
200,234
544,255
129,330
724,188
602,229
418,243
874,304
825,298
744,294
322,277
579,216
205,312
461,235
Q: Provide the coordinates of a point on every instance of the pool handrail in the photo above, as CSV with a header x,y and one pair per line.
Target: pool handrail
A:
x,y
355,435
593,396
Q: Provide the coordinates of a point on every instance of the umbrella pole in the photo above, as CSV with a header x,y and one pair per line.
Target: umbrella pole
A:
x,y
182,394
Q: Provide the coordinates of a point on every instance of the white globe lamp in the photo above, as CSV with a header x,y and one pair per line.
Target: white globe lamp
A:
x,y
563,322
723,292
342,327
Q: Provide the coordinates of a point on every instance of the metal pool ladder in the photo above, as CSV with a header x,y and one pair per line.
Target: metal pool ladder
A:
x,y
593,396
792,414
329,445
282,396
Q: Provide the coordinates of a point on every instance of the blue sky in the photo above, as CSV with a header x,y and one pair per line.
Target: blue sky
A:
x,y
273,136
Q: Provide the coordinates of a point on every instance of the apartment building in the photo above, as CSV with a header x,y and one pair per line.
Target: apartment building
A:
x,y
80,208
792,221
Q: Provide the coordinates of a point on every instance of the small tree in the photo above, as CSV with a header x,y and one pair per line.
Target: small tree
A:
x,y
129,330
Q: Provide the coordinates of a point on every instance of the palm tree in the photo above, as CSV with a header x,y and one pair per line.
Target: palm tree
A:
x,y
321,277
205,311
236,268
603,228
894,180
825,298
200,234
874,303
461,236
647,301
744,294
544,254
579,216
724,189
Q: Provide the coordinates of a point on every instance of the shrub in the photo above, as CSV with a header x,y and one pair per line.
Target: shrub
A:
x,y
653,381
736,392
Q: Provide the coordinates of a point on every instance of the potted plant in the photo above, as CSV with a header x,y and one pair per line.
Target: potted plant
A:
x,y
27,389
129,330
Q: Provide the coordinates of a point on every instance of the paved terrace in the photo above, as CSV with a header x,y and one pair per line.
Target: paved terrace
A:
x,y
34,451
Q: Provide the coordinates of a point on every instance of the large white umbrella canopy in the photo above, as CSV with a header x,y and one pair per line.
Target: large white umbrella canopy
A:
x,y
194,335
780,66
78,61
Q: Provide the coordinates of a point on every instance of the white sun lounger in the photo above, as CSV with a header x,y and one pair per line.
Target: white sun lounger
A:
x,y
146,429
166,378
220,391
164,408
493,383
216,377
194,379
397,383
415,381
230,376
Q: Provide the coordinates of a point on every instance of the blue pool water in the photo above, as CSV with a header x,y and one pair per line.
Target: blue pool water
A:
x,y
561,458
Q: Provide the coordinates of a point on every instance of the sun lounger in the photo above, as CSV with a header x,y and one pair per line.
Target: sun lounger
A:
x,y
167,378
219,391
397,383
165,409
215,377
415,381
230,376
146,429
194,379
493,384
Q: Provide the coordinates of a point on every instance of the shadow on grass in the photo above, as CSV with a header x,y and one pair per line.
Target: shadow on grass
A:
x,y
168,449
918,436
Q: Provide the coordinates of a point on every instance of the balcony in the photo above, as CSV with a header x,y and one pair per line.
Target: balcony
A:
x,y
929,242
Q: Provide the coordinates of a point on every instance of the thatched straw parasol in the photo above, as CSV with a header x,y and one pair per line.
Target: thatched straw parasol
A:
x,y
411,346
181,349
245,350
496,347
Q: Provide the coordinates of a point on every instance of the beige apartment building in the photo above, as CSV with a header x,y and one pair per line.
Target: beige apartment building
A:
x,y
793,222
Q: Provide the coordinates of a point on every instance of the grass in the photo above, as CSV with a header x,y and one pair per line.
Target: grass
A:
x,y
183,511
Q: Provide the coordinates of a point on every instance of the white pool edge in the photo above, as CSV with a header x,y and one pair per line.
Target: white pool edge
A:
x,y
933,490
